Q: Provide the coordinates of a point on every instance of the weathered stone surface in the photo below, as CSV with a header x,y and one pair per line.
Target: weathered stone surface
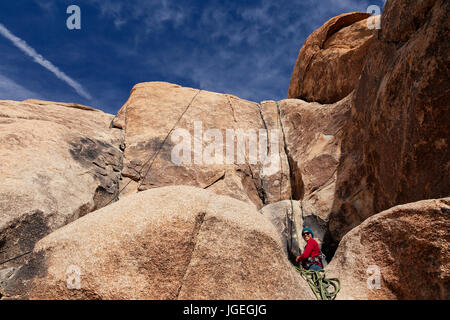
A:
x,y
277,186
57,163
408,243
313,134
63,104
286,216
329,64
6,274
167,243
395,147
154,108
380,141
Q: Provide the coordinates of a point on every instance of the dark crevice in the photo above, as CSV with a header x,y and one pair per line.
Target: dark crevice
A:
x,y
261,190
262,195
329,245
262,117
292,257
296,190
301,209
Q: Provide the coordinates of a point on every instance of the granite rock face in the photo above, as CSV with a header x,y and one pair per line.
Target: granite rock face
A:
x,y
166,243
395,148
205,118
329,64
59,161
405,247
359,153
313,134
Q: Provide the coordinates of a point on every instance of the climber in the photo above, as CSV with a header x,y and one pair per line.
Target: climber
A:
x,y
311,257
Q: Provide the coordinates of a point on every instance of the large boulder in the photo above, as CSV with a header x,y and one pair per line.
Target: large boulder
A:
x,y
405,247
329,64
58,161
155,112
168,243
395,148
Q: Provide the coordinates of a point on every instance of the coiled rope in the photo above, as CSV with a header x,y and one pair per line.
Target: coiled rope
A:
x,y
319,284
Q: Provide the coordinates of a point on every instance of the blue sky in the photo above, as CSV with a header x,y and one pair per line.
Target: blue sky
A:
x,y
245,48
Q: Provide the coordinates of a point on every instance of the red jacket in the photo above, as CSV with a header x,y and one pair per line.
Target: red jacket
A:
x,y
311,250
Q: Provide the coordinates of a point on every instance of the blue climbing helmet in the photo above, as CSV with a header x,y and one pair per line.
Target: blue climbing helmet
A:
x,y
309,230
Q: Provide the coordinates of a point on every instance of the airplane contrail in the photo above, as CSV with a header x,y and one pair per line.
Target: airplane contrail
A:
x,y
22,45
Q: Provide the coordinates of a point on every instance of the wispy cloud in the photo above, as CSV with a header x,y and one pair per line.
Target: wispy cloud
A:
x,y
22,45
246,48
152,15
11,90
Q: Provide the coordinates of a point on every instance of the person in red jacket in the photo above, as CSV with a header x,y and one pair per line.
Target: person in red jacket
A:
x,y
311,257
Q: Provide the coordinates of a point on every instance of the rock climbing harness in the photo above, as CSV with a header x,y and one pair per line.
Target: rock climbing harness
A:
x,y
319,284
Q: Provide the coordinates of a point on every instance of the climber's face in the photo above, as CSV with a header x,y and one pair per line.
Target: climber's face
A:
x,y
306,235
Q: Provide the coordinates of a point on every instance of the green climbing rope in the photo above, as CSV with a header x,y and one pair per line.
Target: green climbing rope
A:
x,y
320,285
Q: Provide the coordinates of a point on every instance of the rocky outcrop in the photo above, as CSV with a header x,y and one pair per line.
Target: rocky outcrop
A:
x,y
405,247
329,64
44,103
155,108
58,162
166,243
313,134
369,133
395,147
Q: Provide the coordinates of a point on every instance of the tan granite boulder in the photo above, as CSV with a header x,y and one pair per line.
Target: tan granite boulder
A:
x,y
57,162
157,111
395,147
401,253
168,243
329,64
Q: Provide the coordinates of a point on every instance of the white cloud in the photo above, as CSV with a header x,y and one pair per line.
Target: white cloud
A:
x,y
248,49
236,47
47,6
10,90
22,45
151,14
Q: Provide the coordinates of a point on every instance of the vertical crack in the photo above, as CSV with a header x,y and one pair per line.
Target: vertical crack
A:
x,y
199,219
261,191
296,192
